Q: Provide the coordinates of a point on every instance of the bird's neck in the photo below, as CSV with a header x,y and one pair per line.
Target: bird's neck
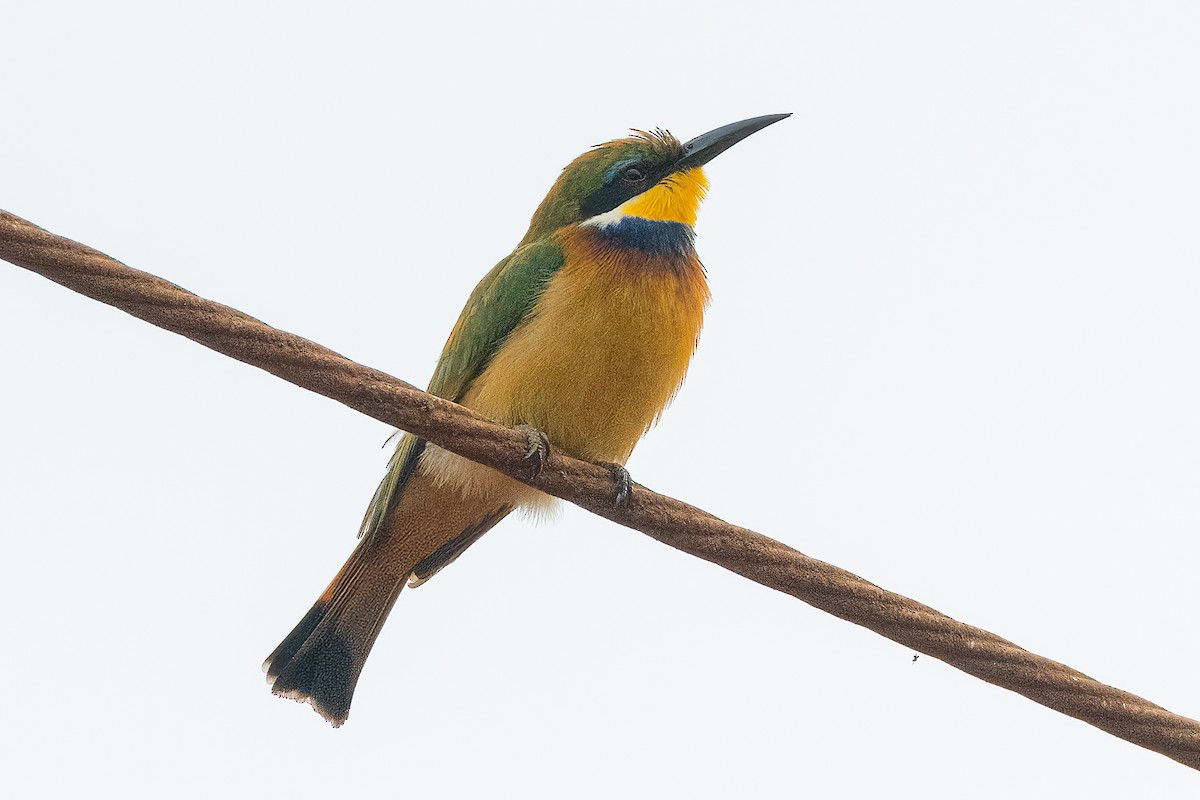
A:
x,y
641,235
658,220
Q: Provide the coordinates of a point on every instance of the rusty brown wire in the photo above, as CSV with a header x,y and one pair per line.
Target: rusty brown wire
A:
x,y
684,527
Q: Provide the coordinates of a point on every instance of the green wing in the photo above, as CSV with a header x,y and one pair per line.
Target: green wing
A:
x,y
502,299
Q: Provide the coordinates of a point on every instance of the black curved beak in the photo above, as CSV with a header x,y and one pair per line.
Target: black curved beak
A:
x,y
707,146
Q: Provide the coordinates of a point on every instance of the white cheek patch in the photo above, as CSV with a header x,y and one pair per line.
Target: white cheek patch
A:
x,y
606,219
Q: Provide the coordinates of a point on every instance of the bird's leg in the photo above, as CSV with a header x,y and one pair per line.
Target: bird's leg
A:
x,y
538,454
624,484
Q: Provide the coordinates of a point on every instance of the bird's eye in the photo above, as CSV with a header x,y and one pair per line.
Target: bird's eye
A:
x,y
633,174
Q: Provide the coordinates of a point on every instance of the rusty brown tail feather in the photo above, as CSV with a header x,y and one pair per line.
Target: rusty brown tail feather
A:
x,y
320,661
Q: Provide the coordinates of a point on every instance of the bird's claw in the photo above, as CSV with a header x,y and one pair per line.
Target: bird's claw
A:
x,y
538,454
624,482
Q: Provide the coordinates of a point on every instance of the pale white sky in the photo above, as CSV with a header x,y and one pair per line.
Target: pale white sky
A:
x,y
952,347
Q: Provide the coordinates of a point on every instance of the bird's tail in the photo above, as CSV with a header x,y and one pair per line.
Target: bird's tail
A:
x,y
320,661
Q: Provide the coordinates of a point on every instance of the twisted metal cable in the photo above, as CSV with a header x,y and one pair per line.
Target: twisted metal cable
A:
x,y
684,527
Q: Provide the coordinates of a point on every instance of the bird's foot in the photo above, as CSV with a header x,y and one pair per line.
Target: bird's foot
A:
x,y
624,483
538,454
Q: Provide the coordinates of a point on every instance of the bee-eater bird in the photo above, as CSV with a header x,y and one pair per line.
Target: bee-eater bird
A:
x,y
582,335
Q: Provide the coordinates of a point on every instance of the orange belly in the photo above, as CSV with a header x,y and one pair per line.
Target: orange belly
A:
x,y
597,361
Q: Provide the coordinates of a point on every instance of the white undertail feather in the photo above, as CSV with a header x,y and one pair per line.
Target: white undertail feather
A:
x,y
472,480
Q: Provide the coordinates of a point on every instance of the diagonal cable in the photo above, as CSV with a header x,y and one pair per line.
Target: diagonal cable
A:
x,y
684,527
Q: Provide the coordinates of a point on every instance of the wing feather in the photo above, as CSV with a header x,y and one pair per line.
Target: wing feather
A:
x,y
501,300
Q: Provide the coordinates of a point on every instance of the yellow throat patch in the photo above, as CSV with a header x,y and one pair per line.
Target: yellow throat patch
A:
x,y
676,198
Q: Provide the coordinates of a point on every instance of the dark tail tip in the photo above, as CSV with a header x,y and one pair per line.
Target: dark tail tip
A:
x,y
314,666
